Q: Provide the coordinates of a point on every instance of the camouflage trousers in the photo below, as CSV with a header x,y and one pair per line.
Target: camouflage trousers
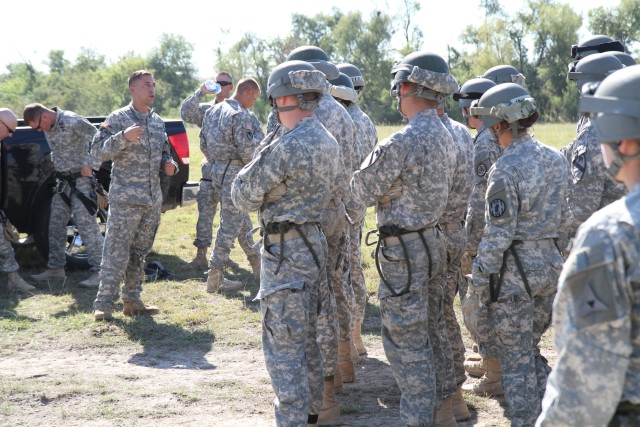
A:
x,y
290,304
518,320
455,241
406,333
87,225
131,230
8,263
232,221
356,276
335,321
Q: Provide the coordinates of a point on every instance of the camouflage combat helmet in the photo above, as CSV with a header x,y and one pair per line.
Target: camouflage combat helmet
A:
x,y
594,68
472,89
342,88
427,70
595,44
508,102
504,74
296,78
316,57
354,73
614,108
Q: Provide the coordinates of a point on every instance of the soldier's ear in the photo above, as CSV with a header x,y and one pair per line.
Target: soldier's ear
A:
x,y
629,147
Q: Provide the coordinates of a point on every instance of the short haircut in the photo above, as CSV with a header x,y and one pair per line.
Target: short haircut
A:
x,y
133,77
32,111
246,84
224,73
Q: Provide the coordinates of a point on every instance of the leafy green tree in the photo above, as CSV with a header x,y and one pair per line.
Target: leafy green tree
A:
x,y
621,22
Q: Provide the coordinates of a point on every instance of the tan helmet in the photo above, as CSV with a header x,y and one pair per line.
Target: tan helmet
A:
x,y
9,119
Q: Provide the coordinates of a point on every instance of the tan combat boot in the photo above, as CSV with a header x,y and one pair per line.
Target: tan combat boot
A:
x,y
353,353
337,382
200,261
491,383
92,282
330,413
475,368
345,365
50,274
17,283
132,308
444,416
102,314
255,266
216,282
356,337
459,406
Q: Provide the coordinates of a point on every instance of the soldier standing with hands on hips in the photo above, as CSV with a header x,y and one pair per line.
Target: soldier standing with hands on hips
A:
x,y
134,139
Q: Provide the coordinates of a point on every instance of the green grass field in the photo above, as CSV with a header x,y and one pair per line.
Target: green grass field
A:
x,y
58,318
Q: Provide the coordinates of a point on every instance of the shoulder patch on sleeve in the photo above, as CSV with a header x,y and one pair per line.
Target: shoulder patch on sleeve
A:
x,y
497,200
372,158
481,169
579,163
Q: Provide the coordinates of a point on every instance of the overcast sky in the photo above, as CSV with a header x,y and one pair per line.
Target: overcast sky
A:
x,y
116,27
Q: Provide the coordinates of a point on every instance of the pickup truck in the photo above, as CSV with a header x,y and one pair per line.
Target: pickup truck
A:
x,y
27,182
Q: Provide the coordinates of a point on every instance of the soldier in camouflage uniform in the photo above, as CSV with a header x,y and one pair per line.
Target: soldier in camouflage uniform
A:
x,y
290,182
368,137
229,134
591,189
596,314
134,139
192,111
408,177
451,224
69,136
335,345
518,262
8,263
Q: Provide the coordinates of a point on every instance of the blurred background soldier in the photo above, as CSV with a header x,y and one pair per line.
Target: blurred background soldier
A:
x,y
451,224
229,135
134,139
192,111
590,188
596,315
290,182
517,266
408,177
8,263
69,136
368,137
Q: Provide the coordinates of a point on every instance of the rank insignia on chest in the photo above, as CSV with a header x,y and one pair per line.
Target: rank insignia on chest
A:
x,y
497,208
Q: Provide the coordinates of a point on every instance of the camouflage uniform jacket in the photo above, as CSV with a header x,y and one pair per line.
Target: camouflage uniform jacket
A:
x,y
69,138
365,131
591,189
421,155
596,318
526,200
460,191
485,153
229,132
305,159
135,173
193,111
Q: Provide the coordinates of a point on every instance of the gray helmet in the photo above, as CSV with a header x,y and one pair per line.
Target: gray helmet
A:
x,y
342,88
316,57
504,74
614,107
429,71
354,73
594,68
626,59
472,89
296,78
595,44
508,102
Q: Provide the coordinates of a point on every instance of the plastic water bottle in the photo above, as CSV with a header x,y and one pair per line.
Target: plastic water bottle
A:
x,y
212,86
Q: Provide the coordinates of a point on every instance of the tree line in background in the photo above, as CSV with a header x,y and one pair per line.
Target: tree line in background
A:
x,y
536,40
